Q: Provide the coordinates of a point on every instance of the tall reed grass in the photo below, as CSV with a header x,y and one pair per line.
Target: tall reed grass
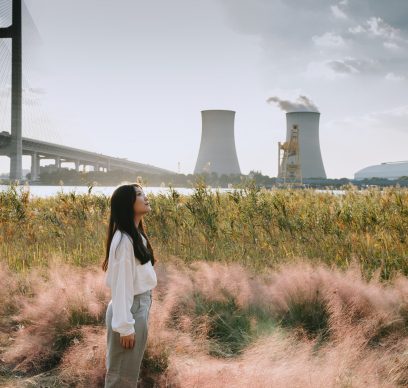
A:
x,y
252,226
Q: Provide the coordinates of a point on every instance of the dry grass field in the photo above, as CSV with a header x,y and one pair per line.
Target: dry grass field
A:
x,y
282,288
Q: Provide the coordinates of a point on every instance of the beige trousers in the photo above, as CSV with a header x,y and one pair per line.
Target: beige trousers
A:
x,y
123,365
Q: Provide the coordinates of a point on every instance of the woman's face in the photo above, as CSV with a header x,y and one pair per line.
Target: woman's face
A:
x,y
141,205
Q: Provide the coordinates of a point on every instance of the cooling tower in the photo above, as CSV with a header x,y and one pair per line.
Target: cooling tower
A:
x,y
311,162
217,148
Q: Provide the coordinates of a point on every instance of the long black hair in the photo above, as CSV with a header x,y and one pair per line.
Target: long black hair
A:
x,y
122,218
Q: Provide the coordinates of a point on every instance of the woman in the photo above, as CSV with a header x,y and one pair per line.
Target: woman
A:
x,y
130,274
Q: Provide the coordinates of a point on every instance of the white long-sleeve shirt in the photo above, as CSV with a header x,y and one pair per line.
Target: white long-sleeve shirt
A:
x,y
126,277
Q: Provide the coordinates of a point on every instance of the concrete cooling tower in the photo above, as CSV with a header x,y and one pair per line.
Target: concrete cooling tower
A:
x,y
303,131
217,148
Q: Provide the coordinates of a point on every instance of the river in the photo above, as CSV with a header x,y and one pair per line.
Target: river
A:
x,y
48,191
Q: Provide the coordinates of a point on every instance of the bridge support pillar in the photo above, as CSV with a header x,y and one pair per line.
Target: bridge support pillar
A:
x,y
76,165
58,162
108,165
97,167
35,167
16,146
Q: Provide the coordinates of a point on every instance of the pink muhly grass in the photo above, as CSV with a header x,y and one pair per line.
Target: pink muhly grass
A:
x,y
366,326
364,318
83,363
50,317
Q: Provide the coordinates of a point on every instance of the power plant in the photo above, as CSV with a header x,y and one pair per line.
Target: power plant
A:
x,y
299,156
217,147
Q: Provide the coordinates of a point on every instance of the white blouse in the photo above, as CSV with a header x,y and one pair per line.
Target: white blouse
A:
x,y
126,277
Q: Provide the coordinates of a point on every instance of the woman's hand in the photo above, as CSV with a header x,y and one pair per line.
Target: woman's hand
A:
x,y
128,341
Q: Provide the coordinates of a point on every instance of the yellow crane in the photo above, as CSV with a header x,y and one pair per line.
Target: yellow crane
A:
x,y
289,167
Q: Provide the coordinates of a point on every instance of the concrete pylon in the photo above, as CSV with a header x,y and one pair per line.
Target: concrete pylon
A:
x,y
309,145
35,166
217,147
16,145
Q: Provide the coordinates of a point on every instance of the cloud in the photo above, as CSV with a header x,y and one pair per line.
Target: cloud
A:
x,y
377,27
391,46
302,104
356,29
329,40
373,32
340,66
394,77
394,119
338,12
332,69
352,65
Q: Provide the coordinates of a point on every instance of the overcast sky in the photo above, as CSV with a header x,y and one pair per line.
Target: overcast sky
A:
x,y
129,78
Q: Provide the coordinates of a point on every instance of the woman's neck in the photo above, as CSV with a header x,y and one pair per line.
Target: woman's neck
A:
x,y
137,222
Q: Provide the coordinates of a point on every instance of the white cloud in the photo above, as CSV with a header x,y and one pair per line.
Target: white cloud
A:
x,y
338,12
357,29
327,70
329,40
394,77
391,45
350,65
373,29
340,68
394,119
319,69
378,27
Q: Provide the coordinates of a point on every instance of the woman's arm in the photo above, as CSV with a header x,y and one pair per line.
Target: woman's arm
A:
x,y
122,288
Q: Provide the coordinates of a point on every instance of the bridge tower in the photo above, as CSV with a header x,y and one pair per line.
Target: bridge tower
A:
x,y
13,32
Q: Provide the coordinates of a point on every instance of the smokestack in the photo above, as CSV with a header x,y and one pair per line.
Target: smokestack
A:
x,y
309,146
217,148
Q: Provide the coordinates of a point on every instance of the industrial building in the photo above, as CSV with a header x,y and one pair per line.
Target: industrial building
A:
x,y
299,157
217,147
388,170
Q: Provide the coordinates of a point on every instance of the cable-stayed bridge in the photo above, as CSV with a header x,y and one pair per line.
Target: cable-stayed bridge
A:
x,y
19,107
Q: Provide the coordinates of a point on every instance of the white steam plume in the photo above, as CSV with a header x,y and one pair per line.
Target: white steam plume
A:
x,y
302,104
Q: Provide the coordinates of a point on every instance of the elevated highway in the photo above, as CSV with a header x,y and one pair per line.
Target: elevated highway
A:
x,y
38,150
